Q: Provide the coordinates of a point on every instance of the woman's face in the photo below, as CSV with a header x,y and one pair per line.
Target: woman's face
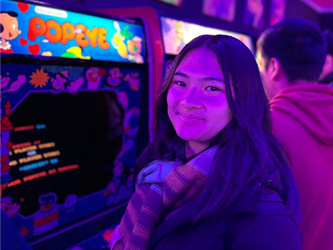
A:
x,y
197,101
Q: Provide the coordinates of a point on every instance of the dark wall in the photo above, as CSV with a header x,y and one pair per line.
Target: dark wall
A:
x,y
326,21
191,11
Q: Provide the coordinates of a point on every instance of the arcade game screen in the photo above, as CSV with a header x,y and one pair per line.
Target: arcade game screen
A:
x,y
176,34
73,118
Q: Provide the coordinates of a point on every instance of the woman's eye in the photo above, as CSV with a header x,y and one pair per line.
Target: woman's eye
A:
x,y
212,88
180,83
14,26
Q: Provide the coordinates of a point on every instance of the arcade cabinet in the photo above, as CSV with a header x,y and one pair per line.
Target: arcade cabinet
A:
x,y
74,117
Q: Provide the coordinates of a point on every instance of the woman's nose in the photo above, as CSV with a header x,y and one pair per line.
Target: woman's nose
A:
x,y
191,99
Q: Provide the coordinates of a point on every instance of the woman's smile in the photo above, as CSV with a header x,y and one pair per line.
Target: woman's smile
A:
x,y
190,119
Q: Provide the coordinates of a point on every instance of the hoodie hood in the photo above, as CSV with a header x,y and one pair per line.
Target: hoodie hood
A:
x,y
311,105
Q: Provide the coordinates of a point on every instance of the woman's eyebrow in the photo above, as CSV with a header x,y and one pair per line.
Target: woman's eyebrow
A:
x,y
204,79
181,74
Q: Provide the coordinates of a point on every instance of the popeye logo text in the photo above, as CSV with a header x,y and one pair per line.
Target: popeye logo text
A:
x,y
55,33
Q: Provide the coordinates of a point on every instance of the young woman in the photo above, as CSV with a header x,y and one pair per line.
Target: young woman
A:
x,y
214,177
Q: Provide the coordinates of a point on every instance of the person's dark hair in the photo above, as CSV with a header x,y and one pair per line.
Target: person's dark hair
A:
x,y
247,152
298,44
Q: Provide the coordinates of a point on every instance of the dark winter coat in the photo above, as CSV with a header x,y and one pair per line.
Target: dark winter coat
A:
x,y
254,222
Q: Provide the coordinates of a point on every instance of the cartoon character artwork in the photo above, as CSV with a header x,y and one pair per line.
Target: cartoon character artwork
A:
x,y
127,146
135,49
65,76
8,30
75,52
13,86
47,218
6,126
4,81
72,52
94,76
74,86
113,78
60,80
131,131
6,203
130,50
6,178
70,202
8,206
119,174
118,41
21,79
118,179
133,80
123,99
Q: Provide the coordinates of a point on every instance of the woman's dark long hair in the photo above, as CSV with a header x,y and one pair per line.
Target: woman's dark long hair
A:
x,y
247,153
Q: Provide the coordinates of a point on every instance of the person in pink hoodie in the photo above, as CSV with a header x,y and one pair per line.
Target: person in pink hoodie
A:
x,y
291,55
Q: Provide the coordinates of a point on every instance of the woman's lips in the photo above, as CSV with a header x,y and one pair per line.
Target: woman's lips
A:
x,y
189,118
